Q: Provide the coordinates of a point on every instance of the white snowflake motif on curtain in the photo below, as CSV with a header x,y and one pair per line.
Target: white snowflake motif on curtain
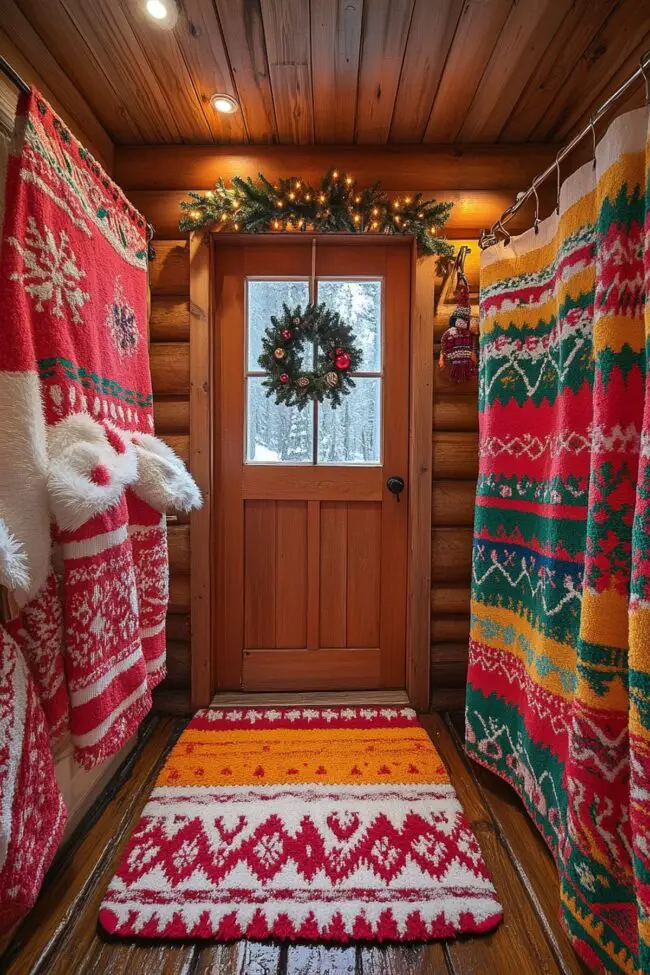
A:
x,y
121,322
51,274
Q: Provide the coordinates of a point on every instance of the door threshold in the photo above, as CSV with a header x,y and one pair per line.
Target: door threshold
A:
x,y
235,699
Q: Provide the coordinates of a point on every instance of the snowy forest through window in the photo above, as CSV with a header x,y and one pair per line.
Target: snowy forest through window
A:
x,y
350,434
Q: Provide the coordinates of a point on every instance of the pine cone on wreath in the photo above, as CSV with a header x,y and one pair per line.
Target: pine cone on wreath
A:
x,y
459,343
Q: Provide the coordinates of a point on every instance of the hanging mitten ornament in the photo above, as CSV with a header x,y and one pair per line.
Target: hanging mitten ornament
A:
x,y
459,343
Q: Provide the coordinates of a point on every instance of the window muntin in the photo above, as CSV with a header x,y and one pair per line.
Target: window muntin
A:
x,y
318,434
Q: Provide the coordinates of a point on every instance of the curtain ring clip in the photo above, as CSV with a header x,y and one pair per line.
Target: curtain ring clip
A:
x,y
646,80
499,227
592,126
536,220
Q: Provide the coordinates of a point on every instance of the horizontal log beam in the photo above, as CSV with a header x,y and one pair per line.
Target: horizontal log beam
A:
x,y
455,455
451,555
179,594
455,413
402,168
444,384
450,599
171,416
169,272
170,368
178,663
178,539
450,629
449,664
178,628
445,698
452,503
170,319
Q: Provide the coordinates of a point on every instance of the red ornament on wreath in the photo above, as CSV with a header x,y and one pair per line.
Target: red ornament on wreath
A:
x,y
342,361
286,334
284,379
459,343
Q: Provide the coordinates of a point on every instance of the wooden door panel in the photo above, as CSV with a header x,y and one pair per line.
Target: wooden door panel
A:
x,y
291,575
333,582
364,574
259,573
313,483
311,670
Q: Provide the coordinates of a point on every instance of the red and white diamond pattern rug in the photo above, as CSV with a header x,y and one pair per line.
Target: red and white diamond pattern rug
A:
x,y
318,824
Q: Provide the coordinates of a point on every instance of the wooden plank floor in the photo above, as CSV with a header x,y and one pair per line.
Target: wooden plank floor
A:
x,y
61,935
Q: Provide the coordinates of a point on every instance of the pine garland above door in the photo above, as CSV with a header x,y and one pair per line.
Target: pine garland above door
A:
x,y
337,205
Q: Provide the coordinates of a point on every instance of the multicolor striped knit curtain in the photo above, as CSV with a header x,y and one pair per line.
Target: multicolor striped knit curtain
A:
x,y
558,700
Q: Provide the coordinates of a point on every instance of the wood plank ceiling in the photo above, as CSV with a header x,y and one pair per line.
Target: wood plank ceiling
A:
x,y
341,71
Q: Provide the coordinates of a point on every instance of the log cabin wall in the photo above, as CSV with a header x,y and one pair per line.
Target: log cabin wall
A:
x,y
169,334
455,468
156,179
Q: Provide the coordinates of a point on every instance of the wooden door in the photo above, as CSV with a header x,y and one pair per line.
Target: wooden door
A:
x,y
311,545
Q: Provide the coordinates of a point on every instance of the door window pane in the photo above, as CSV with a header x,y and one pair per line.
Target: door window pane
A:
x,y
277,434
351,433
359,304
265,298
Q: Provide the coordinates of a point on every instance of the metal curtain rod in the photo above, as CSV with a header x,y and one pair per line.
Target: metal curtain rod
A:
x,y
489,237
13,75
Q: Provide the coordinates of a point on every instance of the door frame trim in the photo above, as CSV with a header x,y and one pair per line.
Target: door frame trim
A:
x,y
203,558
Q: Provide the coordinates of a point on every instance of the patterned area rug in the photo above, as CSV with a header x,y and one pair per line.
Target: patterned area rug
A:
x,y
318,824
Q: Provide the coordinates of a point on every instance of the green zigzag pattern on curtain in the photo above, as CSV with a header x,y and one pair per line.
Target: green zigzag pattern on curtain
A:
x,y
558,699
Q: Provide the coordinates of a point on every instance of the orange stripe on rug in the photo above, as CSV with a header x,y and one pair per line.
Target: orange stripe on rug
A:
x,y
274,756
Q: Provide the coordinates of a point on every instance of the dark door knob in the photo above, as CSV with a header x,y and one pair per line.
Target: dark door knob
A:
x,y
395,485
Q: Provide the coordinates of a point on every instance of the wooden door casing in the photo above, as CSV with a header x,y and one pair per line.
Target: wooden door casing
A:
x,y
311,560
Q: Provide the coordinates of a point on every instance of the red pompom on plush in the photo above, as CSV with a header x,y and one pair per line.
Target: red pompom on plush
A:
x,y
100,475
342,361
115,440
284,378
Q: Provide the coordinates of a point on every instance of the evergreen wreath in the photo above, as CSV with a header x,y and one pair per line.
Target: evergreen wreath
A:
x,y
282,359
338,204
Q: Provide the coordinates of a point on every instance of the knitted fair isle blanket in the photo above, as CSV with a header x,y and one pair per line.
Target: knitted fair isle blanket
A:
x,y
75,388
558,701
78,466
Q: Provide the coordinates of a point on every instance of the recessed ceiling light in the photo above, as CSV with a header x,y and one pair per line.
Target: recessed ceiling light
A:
x,y
224,103
156,9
